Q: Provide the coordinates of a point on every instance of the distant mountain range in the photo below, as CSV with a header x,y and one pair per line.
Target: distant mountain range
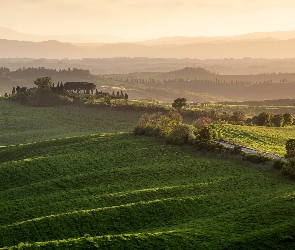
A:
x,y
255,45
232,49
10,34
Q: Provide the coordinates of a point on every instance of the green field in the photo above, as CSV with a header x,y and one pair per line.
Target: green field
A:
x,y
103,189
124,192
23,124
266,139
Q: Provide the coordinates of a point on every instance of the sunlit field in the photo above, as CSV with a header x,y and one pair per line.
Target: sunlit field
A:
x,y
265,139
121,191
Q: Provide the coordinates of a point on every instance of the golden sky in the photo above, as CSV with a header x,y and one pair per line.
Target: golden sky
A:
x,y
147,18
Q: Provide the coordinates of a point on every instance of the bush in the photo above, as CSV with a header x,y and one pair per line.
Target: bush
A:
x,y
278,164
179,134
222,149
151,125
256,158
289,168
205,138
290,148
41,99
25,98
202,122
237,150
206,135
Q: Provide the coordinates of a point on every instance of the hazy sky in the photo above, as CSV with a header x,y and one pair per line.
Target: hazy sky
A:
x,y
147,18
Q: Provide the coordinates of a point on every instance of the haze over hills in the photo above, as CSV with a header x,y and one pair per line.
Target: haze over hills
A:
x,y
10,34
256,45
232,49
262,36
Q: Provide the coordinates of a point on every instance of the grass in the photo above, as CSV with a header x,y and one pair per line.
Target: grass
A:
x,y
125,192
266,139
21,124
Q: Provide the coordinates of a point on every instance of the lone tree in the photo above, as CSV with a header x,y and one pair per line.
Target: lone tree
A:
x,y
179,103
44,84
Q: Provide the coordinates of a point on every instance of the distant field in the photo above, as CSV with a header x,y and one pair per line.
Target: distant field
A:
x,y
267,139
249,110
126,192
21,124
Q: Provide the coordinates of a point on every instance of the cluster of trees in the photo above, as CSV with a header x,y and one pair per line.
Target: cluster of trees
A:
x,y
46,94
41,95
41,71
269,119
240,117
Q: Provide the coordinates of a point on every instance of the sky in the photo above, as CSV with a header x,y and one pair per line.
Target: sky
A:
x,y
133,19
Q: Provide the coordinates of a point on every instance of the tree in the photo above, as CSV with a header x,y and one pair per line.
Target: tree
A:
x,y
179,103
288,119
278,120
239,117
44,84
263,118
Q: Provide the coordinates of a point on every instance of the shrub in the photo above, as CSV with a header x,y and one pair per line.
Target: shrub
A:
x,y
150,125
237,150
278,164
179,134
256,158
202,122
205,138
289,168
26,98
290,148
207,134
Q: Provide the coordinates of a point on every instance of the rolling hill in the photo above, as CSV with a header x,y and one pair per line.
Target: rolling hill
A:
x,y
115,190
120,191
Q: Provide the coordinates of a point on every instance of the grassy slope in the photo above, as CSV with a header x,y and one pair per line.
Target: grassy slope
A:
x,y
21,124
267,139
129,192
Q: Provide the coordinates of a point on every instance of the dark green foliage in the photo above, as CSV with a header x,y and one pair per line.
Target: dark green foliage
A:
x,y
179,134
288,119
168,127
290,148
44,84
179,103
205,137
278,120
43,96
41,99
278,164
256,158
150,125
263,119
289,168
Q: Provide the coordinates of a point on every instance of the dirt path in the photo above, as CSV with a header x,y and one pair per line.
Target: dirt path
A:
x,y
252,151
